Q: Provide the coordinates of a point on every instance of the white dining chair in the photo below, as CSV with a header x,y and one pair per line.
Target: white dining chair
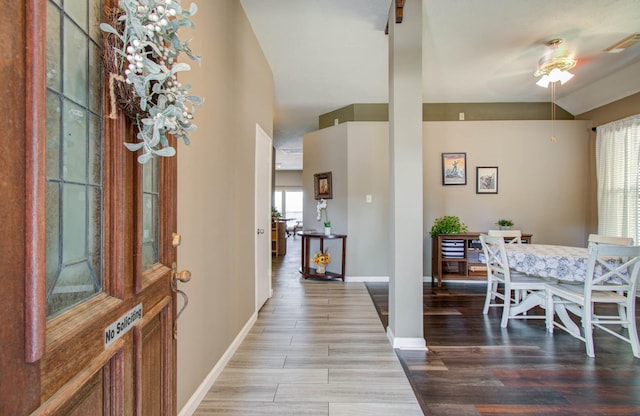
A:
x,y
499,274
616,285
512,236
605,239
620,241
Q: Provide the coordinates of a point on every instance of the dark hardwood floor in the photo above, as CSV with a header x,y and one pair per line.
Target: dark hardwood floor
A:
x,y
474,367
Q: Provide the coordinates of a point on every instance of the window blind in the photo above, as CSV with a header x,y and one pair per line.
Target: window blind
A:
x,y
618,178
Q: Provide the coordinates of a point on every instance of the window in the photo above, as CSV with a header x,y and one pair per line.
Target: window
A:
x,y
289,203
293,204
618,174
74,189
278,203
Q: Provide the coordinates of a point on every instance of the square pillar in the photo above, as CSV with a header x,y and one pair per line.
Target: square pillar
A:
x,y
405,328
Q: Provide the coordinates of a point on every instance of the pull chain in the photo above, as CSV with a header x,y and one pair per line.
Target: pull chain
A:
x,y
553,110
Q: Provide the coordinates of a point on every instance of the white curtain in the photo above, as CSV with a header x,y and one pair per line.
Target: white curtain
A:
x,y
618,175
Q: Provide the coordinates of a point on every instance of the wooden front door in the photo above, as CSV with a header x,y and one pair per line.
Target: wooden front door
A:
x,y
89,244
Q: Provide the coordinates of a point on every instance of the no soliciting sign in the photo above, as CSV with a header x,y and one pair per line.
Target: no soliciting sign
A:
x,y
122,325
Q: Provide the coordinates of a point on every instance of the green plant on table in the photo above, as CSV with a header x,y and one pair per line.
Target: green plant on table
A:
x,y
505,223
449,224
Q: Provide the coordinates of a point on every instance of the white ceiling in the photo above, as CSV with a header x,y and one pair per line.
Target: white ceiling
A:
x,y
326,54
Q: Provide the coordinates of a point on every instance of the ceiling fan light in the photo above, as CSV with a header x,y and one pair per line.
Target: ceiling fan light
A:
x,y
555,75
543,81
565,76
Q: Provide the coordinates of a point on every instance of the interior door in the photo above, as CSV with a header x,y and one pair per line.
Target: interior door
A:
x,y
263,161
94,231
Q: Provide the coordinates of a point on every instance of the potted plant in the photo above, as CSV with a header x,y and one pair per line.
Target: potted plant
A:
x,y
449,224
504,224
321,260
275,214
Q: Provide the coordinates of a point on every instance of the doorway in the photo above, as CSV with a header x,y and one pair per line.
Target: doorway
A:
x,y
262,247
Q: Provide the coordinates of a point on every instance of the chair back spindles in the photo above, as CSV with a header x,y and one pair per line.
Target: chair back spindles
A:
x,y
605,239
510,236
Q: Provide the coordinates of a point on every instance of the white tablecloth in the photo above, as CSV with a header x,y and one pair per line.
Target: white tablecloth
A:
x,y
559,262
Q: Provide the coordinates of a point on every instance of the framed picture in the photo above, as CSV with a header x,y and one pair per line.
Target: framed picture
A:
x,y
487,180
322,185
454,168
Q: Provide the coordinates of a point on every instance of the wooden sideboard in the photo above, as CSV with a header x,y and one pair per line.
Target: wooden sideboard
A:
x,y
278,238
459,257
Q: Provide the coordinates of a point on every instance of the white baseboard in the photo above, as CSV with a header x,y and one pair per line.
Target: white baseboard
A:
x,y
406,343
378,279
372,279
192,404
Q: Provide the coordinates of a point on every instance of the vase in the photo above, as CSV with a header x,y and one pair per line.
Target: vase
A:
x,y
327,230
321,269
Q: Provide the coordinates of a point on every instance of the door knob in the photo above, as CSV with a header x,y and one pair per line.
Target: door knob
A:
x,y
260,231
184,276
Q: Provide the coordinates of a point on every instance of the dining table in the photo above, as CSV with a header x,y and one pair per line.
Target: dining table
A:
x,y
554,263
563,263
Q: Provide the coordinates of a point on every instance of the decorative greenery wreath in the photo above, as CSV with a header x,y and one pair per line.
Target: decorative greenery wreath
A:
x,y
142,57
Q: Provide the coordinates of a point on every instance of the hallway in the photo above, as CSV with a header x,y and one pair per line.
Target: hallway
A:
x,y
317,348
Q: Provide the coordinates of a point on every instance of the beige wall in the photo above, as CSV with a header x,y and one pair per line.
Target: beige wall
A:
x,y
368,148
616,110
326,151
542,185
216,187
289,179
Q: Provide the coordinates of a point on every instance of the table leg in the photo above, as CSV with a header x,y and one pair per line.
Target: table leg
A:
x,y
344,256
304,267
531,300
572,328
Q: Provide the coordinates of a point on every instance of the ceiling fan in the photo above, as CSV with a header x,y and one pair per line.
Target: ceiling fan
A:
x,y
544,56
555,64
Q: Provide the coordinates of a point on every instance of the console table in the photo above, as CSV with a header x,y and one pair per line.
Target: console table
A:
x,y
305,269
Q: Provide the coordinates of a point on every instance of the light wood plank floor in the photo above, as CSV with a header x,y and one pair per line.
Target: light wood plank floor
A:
x,y
317,348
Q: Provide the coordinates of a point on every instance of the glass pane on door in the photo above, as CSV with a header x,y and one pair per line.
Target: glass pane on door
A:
x,y
150,213
74,193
